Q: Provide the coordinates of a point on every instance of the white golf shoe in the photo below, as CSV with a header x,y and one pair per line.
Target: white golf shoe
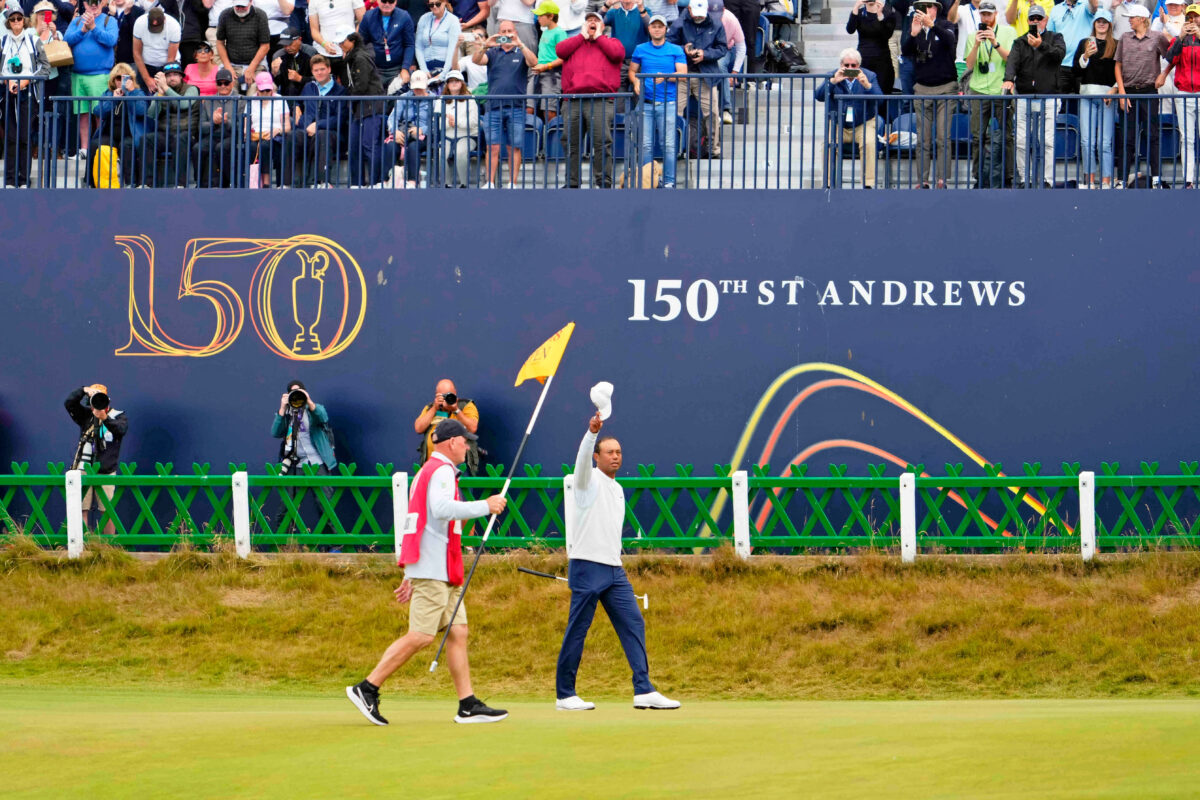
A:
x,y
654,700
573,703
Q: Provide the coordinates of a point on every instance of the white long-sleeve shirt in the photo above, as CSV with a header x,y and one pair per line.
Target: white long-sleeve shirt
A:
x,y
441,509
594,520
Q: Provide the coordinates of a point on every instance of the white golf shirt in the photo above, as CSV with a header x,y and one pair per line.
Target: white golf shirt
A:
x,y
594,520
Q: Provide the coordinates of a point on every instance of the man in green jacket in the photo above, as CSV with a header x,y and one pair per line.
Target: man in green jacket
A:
x,y
304,428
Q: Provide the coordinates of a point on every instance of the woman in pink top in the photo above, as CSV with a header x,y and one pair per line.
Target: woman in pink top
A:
x,y
203,74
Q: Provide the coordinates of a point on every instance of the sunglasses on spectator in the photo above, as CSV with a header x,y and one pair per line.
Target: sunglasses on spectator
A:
x,y
851,65
224,83
434,5
387,2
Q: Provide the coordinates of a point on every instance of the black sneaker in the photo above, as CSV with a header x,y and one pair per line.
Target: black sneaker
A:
x,y
366,700
478,711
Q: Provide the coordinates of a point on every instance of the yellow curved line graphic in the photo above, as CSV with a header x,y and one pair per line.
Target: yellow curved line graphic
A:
x,y
820,366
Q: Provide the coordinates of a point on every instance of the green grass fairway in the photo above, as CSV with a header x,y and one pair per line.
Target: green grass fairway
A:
x,y
168,744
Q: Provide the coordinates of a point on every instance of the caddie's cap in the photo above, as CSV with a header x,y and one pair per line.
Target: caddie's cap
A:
x,y
448,429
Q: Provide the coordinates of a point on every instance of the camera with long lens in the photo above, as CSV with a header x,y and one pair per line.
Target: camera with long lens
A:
x,y
100,401
297,399
450,398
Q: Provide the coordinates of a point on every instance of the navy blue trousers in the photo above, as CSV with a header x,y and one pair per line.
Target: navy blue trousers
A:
x,y
591,582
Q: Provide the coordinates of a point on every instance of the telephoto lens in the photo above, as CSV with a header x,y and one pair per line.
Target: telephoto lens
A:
x,y
297,399
449,398
99,401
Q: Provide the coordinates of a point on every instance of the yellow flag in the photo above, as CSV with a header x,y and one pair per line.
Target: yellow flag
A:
x,y
543,362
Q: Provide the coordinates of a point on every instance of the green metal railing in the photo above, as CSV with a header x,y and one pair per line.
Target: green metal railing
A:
x,y
793,513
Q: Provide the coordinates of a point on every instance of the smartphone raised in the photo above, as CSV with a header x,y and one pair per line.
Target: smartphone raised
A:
x,y
851,73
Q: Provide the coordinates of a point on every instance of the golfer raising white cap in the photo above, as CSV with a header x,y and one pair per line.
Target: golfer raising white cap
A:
x,y
595,573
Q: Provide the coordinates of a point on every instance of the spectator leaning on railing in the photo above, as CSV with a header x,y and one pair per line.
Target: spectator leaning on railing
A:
x,y
24,58
986,55
854,119
591,65
703,41
93,38
1184,58
1033,70
1138,73
391,31
1097,71
320,126
931,45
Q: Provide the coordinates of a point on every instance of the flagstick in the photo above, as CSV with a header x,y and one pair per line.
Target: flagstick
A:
x,y
492,519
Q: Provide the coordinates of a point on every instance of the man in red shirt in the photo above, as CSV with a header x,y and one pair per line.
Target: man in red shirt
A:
x,y
591,65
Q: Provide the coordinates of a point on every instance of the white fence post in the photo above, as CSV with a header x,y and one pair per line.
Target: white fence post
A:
x,y
240,485
908,517
741,514
1087,515
73,488
399,509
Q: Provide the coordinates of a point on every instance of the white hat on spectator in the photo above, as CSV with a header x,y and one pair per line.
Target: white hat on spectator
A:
x,y
452,74
1137,10
341,34
698,8
419,80
657,18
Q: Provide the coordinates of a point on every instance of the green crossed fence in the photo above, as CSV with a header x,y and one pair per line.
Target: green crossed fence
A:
x,y
793,513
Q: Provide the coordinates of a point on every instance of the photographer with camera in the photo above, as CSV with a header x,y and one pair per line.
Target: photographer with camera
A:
x,y
24,58
875,22
1184,59
855,119
307,437
1033,69
508,61
102,428
448,405
931,44
987,51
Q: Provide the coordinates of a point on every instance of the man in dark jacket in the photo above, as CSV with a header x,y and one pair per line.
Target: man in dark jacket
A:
x,y
290,63
366,122
220,126
101,431
390,30
703,40
931,45
591,65
321,125
1033,70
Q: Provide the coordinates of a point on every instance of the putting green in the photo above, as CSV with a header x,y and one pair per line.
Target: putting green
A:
x,y
85,743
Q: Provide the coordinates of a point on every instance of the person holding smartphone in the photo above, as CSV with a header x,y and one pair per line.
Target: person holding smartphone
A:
x,y
875,21
857,118
1033,70
931,44
1184,59
987,52
1097,71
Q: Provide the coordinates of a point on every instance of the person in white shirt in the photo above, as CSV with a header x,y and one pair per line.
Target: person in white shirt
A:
x,y
594,519
155,44
326,17
433,577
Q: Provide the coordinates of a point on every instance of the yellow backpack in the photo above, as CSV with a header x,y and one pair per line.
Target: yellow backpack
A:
x,y
106,169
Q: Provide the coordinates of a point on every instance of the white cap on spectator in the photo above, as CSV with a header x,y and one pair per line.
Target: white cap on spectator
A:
x,y
419,80
657,18
698,8
342,34
1137,11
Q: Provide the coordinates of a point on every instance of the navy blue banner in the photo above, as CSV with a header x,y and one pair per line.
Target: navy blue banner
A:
x,y
743,326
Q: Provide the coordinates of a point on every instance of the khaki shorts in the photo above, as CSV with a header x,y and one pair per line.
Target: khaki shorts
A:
x,y
89,497
431,604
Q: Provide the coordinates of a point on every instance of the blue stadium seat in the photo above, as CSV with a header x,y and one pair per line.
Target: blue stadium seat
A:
x,y
960,135
904,122
552,139
1169,146
761,35
1066,137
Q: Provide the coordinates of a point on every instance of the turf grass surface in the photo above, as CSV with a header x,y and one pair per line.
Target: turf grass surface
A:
x,y
100,743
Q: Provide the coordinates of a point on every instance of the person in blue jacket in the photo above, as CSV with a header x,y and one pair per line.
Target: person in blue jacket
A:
x,y
391,31
121,124
92,37
702,38
854,118
320,132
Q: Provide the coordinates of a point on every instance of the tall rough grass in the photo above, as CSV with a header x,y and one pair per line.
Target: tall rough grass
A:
x,y
862,627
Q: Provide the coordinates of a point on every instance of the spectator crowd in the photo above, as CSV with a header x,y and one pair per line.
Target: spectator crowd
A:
x,y
1005,64
276,93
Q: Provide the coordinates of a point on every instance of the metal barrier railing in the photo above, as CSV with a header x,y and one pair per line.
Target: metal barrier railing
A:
x,y
780,136
790,513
